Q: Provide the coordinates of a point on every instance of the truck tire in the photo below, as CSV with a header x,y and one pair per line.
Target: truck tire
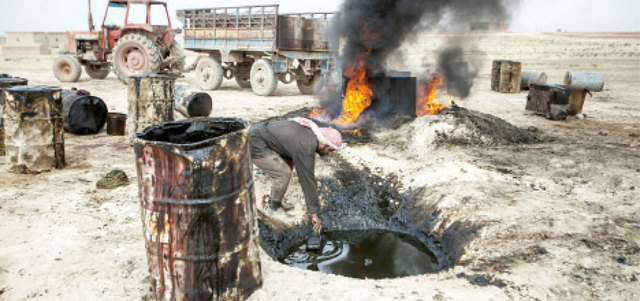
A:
x,y
67,68
135,54
209,73
176,50
264,80
311,85
97,71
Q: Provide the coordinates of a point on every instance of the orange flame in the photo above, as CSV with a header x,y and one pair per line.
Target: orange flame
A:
x,y
355,132
358,95
315,113
428,103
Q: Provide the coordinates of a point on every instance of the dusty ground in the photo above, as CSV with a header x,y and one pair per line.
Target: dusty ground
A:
x,y
555,220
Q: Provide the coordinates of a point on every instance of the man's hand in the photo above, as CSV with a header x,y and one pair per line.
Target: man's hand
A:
x,y
317,223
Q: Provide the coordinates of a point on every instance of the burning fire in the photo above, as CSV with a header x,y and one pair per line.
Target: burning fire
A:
x,y
355,132
358,95
428,102
316,113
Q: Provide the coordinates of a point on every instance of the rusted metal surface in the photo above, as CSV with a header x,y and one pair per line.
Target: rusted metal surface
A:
x,y
532,77
576,101
505,76
303,33
6,81
116,124
198,209
290,32
191,103
83,113
592,81
33,127
551,101
150,98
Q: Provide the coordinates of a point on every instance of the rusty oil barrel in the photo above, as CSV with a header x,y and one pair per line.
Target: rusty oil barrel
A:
x,y
33,127
191,103
198,209
6,81
150,98
84,114
116,124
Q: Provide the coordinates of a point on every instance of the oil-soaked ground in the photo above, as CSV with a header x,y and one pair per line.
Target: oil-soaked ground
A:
x,y
358,201
364,254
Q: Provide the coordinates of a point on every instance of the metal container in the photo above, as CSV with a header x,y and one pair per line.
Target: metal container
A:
x,y
33,127
150,98
5,82
116,124
198,209
592,81
532,77
290,32
505,76
84,114
551,101
394,95
191,103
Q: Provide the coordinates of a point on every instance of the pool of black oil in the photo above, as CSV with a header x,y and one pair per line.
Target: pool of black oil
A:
x,y
373,254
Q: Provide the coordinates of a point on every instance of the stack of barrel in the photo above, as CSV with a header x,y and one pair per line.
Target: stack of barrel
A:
x,y
560,101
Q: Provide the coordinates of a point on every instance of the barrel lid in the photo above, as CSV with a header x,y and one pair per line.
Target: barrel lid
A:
x,y
12,81
190,133
33,89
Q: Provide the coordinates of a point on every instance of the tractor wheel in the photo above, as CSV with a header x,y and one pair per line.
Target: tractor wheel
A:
x,y
209,73
176,50
311,85
97,71
264,80
66,68
135,54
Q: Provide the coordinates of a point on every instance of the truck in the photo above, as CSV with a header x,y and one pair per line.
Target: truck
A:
x,y
258,47
136,37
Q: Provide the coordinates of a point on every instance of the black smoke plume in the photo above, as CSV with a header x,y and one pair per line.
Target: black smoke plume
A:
x,y
373,30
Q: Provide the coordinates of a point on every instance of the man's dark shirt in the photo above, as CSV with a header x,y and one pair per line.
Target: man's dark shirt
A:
x,y
291,141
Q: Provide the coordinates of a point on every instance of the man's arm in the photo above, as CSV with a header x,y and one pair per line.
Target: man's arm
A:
x,y
305,167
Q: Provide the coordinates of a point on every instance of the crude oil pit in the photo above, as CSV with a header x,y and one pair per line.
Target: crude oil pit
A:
x,y
373,254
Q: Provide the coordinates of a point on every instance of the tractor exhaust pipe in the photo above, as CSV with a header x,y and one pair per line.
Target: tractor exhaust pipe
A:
x,y
91,28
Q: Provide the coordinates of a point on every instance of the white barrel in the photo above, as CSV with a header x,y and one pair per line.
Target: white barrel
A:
x,y
592,81
532,77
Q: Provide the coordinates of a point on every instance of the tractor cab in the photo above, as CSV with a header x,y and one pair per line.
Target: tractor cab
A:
x,y
124,16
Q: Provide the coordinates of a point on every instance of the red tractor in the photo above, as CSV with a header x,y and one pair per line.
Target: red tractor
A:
x,y
133,40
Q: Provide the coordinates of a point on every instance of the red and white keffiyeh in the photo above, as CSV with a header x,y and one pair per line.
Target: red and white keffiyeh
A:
x,y
325,135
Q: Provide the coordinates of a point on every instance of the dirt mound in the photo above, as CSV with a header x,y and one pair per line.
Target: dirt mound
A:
x,y
473,127
457,126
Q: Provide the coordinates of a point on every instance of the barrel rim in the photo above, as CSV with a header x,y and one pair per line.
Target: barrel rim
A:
x,y
186,146
116,115
13,80
33,88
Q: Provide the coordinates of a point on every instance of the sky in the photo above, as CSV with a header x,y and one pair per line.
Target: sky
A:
x,y
530,16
